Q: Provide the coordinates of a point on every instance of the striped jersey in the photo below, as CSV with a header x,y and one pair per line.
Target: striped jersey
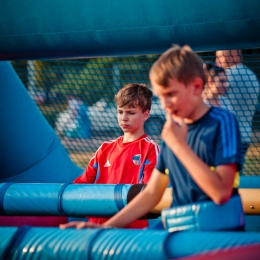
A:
x,y
116,162
215,138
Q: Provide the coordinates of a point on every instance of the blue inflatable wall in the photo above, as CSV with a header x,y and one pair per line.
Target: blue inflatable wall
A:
x,y
30,149
56,28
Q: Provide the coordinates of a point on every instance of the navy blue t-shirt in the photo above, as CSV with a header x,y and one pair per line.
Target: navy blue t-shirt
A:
x,y
215,138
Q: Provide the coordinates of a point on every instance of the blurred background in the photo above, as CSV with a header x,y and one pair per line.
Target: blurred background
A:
x,y
76,96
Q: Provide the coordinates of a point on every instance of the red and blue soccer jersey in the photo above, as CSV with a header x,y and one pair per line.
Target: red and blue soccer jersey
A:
x,y
116,162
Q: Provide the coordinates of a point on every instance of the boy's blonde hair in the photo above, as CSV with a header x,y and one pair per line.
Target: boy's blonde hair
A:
x,y
179,63
133,95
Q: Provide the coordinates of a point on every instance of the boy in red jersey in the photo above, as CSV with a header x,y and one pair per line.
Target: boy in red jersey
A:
x,y
131,158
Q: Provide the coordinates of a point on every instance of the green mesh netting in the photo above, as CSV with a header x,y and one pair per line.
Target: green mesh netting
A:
x,y
77,99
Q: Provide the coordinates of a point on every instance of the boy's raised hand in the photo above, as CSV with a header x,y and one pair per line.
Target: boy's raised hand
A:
x,y
174,131
80,225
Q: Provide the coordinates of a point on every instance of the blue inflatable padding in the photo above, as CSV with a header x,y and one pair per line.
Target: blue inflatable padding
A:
x,y
118,196
129,244
252,223
17,240
31,150
57,28
3,189
32,199
6,238
53,243
205,216
182,244
156,224
60,209
250,182
79,200
92,200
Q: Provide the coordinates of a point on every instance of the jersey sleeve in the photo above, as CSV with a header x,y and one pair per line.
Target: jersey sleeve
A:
x,y
228,141
150,161
91,173
160,166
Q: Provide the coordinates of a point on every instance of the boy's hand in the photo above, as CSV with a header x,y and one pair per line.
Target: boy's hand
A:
x,y
80,225
174,131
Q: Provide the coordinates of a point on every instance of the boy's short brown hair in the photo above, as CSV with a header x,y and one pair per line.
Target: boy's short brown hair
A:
x,y
179,63
133,95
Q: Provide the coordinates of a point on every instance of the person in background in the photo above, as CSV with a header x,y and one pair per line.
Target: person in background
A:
x,y
131,158
242,92
74,122
214,93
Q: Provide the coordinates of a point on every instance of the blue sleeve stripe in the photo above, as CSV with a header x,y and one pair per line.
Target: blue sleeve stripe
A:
x,y
141,173
234,136
223,132
232,133
98,173
228,130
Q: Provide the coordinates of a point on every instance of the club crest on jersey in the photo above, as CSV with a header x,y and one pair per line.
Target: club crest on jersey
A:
x,y
137,159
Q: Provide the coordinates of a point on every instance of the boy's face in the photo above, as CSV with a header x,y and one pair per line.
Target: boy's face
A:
x,y
131,119
221,59
226,58
177,98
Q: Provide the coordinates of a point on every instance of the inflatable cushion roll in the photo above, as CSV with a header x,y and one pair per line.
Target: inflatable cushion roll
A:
x,y
205,216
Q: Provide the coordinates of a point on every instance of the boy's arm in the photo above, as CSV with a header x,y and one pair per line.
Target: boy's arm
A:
x,y
143,203
218,183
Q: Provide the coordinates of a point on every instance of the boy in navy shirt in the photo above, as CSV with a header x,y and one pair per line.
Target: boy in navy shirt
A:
x,y
200,153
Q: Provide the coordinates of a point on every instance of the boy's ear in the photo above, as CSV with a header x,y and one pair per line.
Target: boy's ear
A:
x,y
198,86
146,114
